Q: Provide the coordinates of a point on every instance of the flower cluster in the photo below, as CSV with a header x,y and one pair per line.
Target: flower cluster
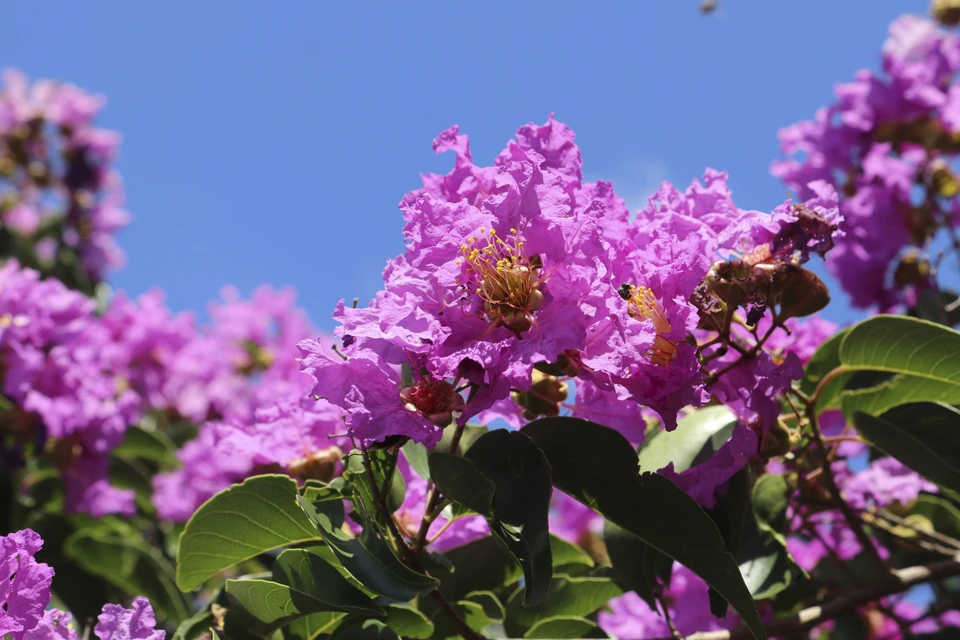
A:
x,y
25,596
61,203
75,379
887,145
519,278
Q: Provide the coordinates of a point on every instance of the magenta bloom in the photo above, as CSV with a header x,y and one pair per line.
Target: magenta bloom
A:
x,y
689,603
137,623
24,583
377,404
53,368
884,136
62,175
291,436
883,483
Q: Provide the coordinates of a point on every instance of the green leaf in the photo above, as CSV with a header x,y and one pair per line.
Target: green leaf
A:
x,y
597,466
383,467
636,564
271,603
521,503
698,434
566,553
765,563
898,390
481,564
194,626
130,566
943,514
897,344
150,445
559,627
364,630
240,523
417,457
924,436
470,434
568,596
493,609
484,565
458,479
318,491
309,574
311,626
479,610
368,558
771,497
408,622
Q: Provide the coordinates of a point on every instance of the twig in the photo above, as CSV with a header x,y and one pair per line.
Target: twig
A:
x,y
896,582
839,371
929,540
852,520
666,615
458,622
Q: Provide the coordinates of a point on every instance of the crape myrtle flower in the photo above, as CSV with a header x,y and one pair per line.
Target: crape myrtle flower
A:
x,y
59,194
884,482
370,389
497,264
136,623
688,600
886,145
290,433
244,359
751,391
25,594
24,583
52,368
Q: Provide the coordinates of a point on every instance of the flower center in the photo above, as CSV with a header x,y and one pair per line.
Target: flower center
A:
x,y
505,279
643,304
435,400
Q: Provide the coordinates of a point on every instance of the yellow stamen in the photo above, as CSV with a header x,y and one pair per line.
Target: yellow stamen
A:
x,y
643,304
505,278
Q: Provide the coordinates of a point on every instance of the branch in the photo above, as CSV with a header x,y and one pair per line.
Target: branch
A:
x,y
852,521
898,581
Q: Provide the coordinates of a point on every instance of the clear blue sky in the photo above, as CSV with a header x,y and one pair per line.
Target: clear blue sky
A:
x,y
271,142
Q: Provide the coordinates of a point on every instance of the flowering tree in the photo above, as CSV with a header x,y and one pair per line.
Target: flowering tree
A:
x,y
557,419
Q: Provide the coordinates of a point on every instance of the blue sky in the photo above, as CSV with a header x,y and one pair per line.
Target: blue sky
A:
x,y
271,142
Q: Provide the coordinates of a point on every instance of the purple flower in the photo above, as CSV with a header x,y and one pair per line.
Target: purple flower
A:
x,y
24,583
883,483
53,367
880,145
54,625
377,404
60,174
573,521
687,597
137,623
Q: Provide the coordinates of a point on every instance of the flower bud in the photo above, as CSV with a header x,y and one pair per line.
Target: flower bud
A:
x,y
802,293
544,397
946,12
320,465
567,364
912,270
776,442
942,178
